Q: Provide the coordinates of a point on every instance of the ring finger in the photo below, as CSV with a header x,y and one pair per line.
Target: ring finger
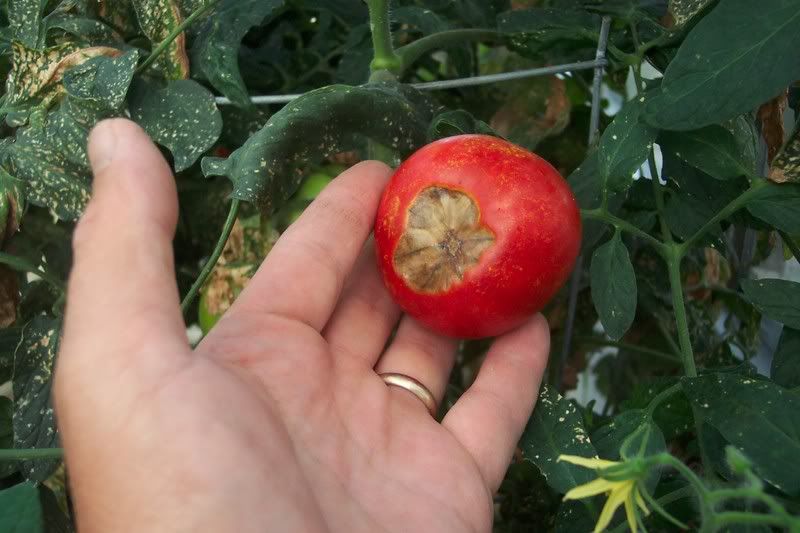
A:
x,y
422,355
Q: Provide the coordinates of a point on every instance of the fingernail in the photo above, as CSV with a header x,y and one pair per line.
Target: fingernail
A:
x,y
102,146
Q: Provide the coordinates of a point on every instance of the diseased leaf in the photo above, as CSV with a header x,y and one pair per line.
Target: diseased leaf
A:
x,y
457,122
556,428
683,10
756,416
36,75
119,14
181,116
25,20
624,146
613,287
22,512
778,205
786,167
712,149
728,65
630,434
12,204
785,369
158,18
215,52
85,30
9,295
778,299
271,164
50,157
34,421
533,30
771,116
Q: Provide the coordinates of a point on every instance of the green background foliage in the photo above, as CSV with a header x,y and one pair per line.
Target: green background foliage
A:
x,y
682,209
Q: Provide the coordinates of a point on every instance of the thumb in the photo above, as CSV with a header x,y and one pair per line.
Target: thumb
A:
x,y
123,314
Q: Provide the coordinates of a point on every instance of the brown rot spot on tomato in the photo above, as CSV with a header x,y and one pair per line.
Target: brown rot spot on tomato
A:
x,y
443,238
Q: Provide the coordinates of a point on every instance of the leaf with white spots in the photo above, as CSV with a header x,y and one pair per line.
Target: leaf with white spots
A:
x,y
50,154
713,149
756,416
215,52
530,31
158,18
613,284
778,205
629,434
25,20
556,428
270,166
785,369
34,420
730,63
778,299
119,14
624,146
182,116
786,166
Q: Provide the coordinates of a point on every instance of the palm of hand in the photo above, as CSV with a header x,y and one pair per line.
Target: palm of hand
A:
x,y
279,418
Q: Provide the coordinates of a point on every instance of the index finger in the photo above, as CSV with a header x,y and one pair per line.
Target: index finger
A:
x,y
303,275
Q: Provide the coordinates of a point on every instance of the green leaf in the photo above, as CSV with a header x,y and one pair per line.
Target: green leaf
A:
x,y
535,29
785,369
712,149
624,146
50,157
630,434
457,122
613,287
732,61
6,434
270,166
34,421
215,51
22,512
778,205
776,298
786,165
89,31
556,428
756,416
9,339
25,19
55,521
181,116
158,18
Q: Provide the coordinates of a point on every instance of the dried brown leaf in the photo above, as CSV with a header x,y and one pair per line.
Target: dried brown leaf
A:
x,y
9,296
771,116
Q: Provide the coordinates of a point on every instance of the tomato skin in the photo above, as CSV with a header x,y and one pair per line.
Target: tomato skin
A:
x,y
522,199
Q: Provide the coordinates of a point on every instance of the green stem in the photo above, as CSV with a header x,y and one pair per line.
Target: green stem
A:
x,y
28,454
733,206
212,261
622,225
385,57
413,51
673,259
658,505
22,265
740,517
625,346
163,45
659,398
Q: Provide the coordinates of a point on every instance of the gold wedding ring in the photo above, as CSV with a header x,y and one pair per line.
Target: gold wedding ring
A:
x,y
414,387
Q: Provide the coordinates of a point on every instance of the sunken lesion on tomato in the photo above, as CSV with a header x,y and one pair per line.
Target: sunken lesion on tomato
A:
x,y
443,238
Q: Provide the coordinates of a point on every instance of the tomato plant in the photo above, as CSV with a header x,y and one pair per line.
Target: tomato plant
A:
x,y
475,234
676,348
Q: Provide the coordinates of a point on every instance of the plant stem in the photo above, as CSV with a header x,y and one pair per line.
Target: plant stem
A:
x,y
27,454
789,242
739,517
413,51
622,225
659,398
212,260
733,206
625,346
163,45
673,259
22,265
385,57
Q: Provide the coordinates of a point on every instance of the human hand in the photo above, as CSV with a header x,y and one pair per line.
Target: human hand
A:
x,y
278,420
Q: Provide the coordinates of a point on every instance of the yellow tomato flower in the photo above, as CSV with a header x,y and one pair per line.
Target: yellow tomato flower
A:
x,y
623,492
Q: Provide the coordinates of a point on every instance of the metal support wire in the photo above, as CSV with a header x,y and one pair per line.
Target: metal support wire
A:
x,y
575,280
598,63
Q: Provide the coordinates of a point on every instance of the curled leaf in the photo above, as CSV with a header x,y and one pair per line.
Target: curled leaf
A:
x,y
269,167
158,18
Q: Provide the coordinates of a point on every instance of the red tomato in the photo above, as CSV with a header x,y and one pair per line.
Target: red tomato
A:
x,y
475,234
